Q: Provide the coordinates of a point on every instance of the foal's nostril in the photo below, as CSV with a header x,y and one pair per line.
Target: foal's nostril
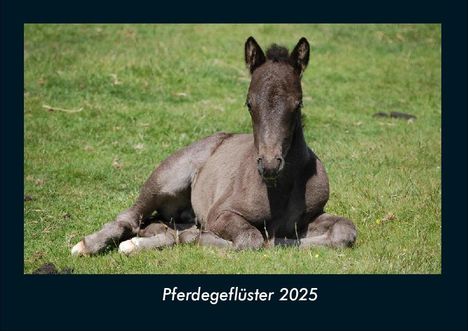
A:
x,y
260,166
260,162
280,163
270,168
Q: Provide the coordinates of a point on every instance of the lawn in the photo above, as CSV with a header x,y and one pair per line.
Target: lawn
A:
x,y
104,104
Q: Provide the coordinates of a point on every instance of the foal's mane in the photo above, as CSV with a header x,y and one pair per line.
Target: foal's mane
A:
x,y
277,53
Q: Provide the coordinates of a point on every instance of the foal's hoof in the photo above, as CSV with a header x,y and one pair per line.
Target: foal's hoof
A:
x,y
79,249
127,247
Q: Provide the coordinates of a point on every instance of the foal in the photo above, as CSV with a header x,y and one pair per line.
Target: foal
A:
x,y
244,190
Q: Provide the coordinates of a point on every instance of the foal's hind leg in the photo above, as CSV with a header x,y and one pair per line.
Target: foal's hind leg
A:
x,y
167,190
329,230
155,235
168,237
127,223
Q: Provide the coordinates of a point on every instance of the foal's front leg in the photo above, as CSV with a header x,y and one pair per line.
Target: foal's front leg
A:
x,y
329,230
233,227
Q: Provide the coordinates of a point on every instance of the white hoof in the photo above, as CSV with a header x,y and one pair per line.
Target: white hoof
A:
x,y
79,249
127,246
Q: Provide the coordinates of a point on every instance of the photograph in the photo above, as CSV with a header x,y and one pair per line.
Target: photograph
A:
x,y
249,149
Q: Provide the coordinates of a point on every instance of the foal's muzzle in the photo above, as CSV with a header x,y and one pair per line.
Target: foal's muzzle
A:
x,y
269,169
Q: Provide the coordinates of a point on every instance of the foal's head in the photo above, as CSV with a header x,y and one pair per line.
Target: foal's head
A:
x,y
274,101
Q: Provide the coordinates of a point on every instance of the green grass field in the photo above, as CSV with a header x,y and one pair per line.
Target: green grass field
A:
x,y
104,104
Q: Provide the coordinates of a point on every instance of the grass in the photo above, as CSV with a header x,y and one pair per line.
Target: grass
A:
x,y
147,90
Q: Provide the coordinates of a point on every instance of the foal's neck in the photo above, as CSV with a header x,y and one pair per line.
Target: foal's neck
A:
x,y
298,152
297,157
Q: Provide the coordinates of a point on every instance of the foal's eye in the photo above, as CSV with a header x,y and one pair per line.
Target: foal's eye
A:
x,y
248,104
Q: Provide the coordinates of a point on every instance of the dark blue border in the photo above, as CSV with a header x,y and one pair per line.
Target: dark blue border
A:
x,y
357,302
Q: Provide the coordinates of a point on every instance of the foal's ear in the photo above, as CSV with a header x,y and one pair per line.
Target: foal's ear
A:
x,y
254,56
300,56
